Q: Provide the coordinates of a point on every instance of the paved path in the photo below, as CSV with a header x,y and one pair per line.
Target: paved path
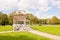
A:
x,y
6,32
53,37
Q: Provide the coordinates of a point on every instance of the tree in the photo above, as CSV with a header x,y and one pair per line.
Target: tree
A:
x,y
10,16
5,19
1,17
54,20
32,18
59,21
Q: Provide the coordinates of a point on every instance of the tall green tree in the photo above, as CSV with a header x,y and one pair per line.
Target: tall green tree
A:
x,y
5,20
1,18
54,20
10,16
32,18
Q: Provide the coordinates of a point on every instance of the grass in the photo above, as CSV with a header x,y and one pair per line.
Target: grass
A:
x,y
18,35
21,36
51,29
6,28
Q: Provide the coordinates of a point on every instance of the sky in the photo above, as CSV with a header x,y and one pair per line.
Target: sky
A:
x,y
39,8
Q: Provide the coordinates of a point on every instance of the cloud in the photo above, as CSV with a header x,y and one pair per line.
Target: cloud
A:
x,y
44,15
56,3
37,7
8,4
41,5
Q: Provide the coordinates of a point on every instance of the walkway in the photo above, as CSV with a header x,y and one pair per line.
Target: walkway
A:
x,y
6,32
53,37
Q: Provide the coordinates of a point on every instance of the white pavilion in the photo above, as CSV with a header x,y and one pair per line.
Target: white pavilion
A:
x,y
17,26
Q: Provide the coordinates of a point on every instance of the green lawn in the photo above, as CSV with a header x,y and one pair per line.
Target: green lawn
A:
x,y
18,35
6,28
51,29
21,36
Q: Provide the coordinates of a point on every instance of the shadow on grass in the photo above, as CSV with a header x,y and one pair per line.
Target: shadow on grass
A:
x,y
16,38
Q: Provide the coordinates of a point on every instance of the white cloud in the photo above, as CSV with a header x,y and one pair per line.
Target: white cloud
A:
x,y
56,3
7,4
42,5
